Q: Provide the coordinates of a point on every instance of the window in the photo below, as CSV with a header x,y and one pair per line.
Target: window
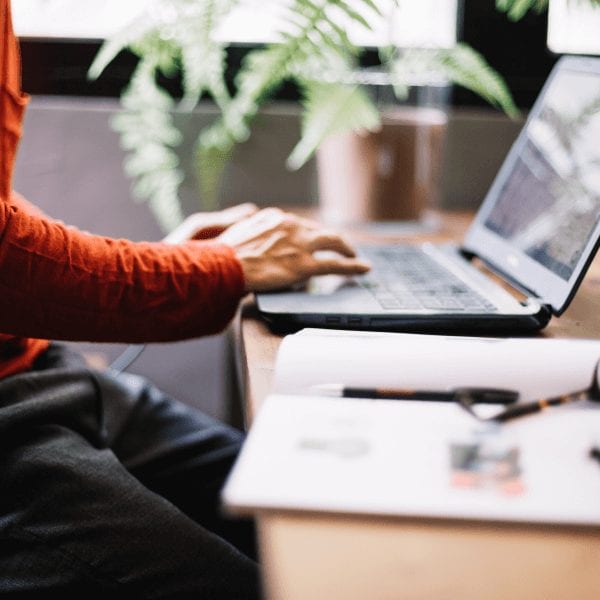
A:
x,y
61,38
73,19
573,27
415,22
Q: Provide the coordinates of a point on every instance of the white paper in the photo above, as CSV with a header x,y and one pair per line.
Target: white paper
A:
x,y
408,459
535,367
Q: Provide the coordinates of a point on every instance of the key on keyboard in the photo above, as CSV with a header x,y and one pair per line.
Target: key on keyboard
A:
x,y
405,278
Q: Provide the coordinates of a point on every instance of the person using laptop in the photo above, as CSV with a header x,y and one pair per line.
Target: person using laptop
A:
x,y
538,230
108,485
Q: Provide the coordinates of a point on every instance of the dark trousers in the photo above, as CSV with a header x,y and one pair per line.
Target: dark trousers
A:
x,y
108,485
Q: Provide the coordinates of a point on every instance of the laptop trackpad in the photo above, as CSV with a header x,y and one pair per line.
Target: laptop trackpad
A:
x,y
324,285
322,294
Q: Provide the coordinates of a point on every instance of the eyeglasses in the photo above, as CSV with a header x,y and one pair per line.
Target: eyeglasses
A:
x,y
467,398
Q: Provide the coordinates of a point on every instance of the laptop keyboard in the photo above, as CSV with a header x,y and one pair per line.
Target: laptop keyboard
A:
x,y
407,278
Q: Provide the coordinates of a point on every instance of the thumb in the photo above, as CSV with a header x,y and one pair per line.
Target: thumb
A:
x,y
233,214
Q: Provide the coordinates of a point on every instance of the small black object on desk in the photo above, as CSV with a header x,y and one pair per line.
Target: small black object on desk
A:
x,y
465,400
477,395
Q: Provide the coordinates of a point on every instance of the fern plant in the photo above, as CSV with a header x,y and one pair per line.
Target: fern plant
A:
x,y
314,50
517,9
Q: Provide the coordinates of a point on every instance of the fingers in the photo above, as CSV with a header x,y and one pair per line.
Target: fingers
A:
x,y
314,236
210,225
326,240
183,232
340,266
229,216
238,212
277,249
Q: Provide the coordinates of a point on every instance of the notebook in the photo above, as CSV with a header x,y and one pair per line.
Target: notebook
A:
x,y
538,229
412,459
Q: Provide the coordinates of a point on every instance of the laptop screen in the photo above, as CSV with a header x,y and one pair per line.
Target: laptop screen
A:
x,y
542,212
548,208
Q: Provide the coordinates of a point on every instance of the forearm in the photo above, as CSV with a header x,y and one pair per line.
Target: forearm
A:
x,y
59,283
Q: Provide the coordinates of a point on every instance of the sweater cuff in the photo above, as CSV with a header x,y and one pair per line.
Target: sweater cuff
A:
x,y
229,285
234,274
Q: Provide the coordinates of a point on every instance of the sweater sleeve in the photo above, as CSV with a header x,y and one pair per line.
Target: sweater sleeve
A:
x,y
60,283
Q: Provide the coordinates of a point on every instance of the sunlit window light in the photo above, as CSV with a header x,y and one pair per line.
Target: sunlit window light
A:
x,y
573,27
414,23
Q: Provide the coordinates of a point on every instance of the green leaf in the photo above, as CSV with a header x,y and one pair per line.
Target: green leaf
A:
x,y
179,35
351,13
118,42
211,160
331,109
466,67
203,57
148,134
461,65
171,36
374,7
517,9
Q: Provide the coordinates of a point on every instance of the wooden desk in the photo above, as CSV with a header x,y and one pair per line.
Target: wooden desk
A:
x,y
329,557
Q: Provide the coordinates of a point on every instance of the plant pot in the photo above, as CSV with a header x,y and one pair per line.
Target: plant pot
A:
x,y
392,174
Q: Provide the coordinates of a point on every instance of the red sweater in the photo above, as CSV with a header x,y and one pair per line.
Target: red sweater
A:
x,y
60,283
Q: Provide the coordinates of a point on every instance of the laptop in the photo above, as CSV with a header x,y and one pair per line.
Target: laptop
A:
x,y
538,230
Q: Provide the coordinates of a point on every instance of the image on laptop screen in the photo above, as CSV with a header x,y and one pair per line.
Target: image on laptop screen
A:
x,y
549,207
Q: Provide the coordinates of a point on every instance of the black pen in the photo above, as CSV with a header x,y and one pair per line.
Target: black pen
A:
x,y
530,408
477,395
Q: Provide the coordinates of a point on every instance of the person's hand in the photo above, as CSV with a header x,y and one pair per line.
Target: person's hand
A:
x,y
277,250
207,225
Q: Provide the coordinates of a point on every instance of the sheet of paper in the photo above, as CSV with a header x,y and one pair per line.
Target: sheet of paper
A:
x,y
418,459
536,367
